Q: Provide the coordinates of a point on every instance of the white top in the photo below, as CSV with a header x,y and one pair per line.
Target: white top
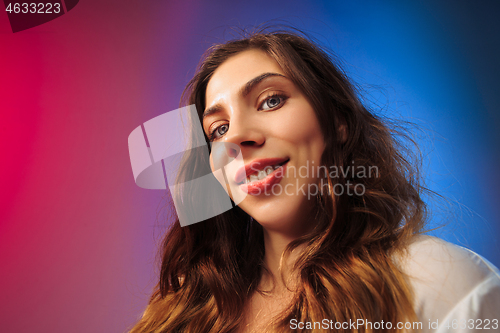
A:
x,y
455,289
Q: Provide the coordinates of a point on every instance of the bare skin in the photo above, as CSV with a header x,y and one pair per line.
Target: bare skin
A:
x,y
278,287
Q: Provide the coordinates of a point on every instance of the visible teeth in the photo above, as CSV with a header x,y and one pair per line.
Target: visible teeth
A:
x,y
261,174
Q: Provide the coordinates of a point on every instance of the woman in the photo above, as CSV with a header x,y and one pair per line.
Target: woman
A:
x,y
335,247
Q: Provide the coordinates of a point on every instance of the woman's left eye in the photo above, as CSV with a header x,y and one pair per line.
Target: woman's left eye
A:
x,y
272,102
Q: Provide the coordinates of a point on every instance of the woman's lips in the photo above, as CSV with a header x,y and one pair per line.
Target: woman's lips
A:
x,y
261,186
255,166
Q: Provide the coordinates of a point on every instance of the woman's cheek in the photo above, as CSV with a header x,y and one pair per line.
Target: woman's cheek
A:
x,y
224,167
216,162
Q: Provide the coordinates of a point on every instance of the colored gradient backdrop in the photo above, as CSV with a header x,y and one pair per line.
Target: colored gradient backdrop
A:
x,y
78,238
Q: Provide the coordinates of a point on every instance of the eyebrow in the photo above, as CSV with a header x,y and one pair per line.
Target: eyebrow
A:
x,y
244,92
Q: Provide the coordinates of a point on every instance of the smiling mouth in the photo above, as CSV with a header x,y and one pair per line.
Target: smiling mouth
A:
x,y
262,181
259,170
262,173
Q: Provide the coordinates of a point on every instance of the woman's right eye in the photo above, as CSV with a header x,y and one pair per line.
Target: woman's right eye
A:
x,y
218,132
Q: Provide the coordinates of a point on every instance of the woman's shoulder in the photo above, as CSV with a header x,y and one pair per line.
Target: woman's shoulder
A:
x,y
452,286
432,256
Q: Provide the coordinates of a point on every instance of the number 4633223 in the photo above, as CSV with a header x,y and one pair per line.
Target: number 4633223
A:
x,y
34,8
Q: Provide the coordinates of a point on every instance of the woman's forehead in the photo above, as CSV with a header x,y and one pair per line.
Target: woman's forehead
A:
x,y
232,75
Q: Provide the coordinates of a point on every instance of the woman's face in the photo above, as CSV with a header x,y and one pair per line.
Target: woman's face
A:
x,y
252,107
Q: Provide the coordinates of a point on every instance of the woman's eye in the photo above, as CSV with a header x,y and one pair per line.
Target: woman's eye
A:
x,y
272,102
219,131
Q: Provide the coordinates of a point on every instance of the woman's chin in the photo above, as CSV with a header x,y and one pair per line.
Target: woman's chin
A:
x,y
281,214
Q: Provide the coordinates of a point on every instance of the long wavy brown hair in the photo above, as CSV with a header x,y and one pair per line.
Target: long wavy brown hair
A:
x,y
347,270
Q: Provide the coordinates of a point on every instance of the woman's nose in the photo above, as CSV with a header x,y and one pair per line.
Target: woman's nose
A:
x,y
243,135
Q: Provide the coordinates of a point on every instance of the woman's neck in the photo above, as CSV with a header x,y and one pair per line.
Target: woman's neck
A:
x,y
275,244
